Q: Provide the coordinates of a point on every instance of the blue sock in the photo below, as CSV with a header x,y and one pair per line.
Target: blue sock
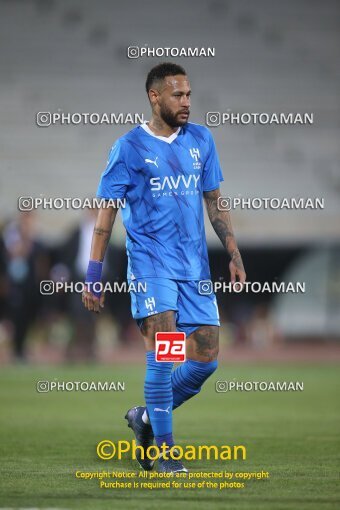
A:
x,y
188,378
158,398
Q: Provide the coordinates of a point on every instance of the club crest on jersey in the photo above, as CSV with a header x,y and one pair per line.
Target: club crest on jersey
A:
x,y
195,154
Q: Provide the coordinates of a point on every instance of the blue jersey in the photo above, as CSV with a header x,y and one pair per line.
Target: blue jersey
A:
x,y
162,181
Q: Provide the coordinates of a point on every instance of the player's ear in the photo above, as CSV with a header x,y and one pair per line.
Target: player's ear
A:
x,y
153,96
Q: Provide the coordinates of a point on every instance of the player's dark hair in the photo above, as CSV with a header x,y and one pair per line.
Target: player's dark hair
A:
x,y
160,72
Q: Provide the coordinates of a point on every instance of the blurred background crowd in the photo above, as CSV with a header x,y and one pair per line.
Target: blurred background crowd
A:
x,y
71,56
57,327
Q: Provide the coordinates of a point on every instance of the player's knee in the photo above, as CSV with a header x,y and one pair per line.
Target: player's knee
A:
x,y
206,343
214,352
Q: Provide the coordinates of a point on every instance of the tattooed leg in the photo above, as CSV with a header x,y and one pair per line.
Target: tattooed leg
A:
x,y
157,384
164,321
188,378
202,344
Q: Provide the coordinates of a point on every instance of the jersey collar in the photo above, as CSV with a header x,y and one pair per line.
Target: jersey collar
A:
x,y
168,139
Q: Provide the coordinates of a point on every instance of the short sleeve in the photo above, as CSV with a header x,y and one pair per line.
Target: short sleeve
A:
x,y
212,173
115,179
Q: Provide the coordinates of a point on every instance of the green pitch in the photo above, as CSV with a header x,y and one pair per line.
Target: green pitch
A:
x,y
47,437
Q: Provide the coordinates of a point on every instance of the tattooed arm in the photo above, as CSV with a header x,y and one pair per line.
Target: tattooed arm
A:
x,y
100,239
102,232
221,223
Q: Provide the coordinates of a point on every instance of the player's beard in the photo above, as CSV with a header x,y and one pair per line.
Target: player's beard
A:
x,y
172,119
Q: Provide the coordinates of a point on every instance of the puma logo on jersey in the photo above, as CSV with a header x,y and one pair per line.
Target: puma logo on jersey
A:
x,y
152,161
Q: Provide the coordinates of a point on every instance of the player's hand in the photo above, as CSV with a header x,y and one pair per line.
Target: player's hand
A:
x,y
237,272
91,302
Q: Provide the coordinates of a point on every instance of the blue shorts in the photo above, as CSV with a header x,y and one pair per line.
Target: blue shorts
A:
x,y
155,295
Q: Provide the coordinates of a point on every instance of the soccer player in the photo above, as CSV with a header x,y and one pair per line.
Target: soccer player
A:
x,y
164,169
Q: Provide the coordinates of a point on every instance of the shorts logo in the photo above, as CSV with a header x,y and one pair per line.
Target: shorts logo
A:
x,y
170,346
195,154
150,303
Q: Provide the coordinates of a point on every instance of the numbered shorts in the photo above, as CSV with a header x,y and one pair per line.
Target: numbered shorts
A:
x,y
151,296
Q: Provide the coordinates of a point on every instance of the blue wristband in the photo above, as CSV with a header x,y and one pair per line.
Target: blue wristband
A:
x,y
94,276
